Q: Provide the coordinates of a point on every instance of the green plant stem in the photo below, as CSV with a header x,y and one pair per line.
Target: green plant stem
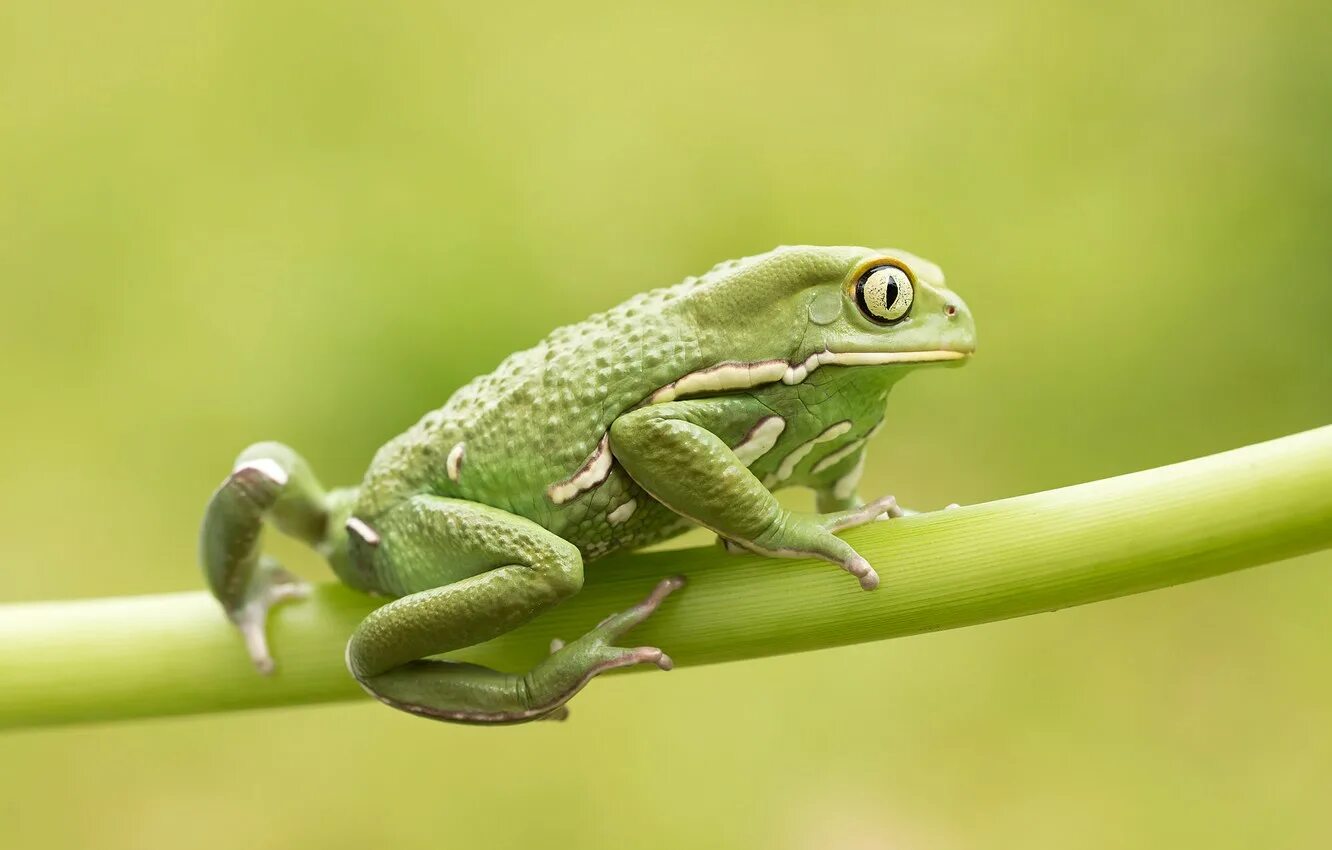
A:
x,y
104,659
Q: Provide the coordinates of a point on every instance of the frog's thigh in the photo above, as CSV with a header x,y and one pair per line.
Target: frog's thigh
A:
x,y
670,450
487,571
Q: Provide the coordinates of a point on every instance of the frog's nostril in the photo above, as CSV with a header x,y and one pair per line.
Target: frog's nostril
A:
x,y
950,310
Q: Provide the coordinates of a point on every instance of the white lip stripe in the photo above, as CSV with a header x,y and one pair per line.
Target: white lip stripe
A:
x,y
622,513
798,454
760,439
837,456
594,470
454,462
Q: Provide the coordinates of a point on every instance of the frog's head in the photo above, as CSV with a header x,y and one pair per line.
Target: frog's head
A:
x,y
847,306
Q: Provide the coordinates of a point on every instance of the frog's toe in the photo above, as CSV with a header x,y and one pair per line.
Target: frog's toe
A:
x,y
271,585
617,624
613,657
250,622
653,655
596,652
861,569
885,507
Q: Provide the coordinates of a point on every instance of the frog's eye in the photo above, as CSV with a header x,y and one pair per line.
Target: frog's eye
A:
x,y
884,294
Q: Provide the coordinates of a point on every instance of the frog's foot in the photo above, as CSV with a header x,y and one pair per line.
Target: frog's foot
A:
x,y
469,693
604,657
571,666
595,652
797,535
561,713
270,585
829,523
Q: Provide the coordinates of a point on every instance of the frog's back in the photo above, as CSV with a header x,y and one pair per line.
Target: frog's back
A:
x,y
508,437
532,437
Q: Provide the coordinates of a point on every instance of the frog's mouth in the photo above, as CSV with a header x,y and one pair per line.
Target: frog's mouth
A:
x,y
798,372
883,358
725,377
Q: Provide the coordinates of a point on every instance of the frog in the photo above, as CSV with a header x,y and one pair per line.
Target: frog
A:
x,y
685,406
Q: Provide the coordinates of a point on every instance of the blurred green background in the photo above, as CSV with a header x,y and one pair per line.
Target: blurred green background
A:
x,y
223,222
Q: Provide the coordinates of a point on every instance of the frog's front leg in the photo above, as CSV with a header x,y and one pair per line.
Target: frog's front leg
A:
x,y
671,453
486,572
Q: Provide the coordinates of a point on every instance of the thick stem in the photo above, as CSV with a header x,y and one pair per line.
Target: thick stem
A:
x,y
104,659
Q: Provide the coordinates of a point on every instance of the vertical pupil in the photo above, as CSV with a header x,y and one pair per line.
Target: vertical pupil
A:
x,y
890,295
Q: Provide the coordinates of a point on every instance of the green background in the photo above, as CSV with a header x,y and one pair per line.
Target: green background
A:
x,y
224,222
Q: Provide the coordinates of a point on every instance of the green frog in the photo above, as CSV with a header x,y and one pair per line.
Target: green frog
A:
x,y
684,406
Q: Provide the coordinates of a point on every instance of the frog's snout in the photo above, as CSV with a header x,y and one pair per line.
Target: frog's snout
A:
x,y
959,326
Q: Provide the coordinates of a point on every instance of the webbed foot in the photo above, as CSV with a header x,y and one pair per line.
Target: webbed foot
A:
x,y
595,652
814,535
469,693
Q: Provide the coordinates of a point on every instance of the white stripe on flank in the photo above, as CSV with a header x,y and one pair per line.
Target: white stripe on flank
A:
x,y
760,439
737,376
846,486
454,462
594,470
837,456
798,454
724,377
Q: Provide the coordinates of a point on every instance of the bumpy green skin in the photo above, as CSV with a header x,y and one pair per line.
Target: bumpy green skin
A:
x,y
683,406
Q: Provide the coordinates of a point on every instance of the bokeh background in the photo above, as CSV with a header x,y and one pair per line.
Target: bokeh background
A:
x,y
311,221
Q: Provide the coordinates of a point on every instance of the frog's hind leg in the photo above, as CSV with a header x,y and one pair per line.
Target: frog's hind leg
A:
x,y
268,481
495,571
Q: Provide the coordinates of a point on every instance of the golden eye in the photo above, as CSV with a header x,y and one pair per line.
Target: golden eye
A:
x,y
884,294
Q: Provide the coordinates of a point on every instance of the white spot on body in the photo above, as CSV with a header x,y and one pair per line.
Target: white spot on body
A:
x,y
836,457
362,530
760,439
791,461
622,513
266,467
453,464
594,470
845,487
